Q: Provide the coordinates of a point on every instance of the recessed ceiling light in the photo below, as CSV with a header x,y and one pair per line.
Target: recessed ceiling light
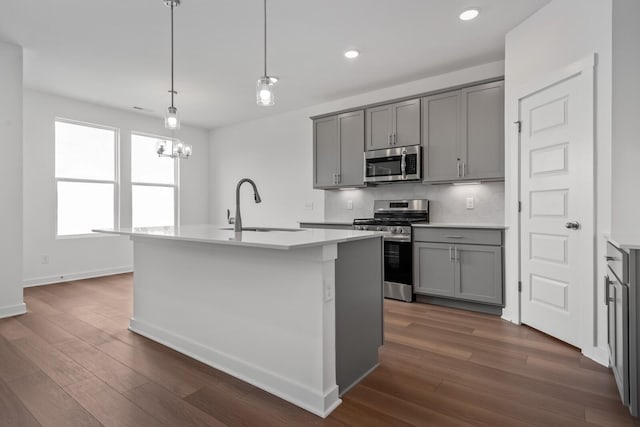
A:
x,y
469,14
351,54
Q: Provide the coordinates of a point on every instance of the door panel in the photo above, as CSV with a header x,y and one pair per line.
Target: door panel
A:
x,y
433,267
406,123
556,168
326,151
440,136
482,142
351,127
379,127
478,273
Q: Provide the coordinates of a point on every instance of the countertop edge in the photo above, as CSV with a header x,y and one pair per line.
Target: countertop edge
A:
x,y
243,243
470,226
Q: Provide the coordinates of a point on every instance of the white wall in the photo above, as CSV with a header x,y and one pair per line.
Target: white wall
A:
x,y
277,153
11,302
563,32
71,258
626,111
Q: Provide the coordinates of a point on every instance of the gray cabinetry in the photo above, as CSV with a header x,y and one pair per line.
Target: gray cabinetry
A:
x,y
338,143
478,273
441,128
433,269
459,263
393,125
483,141
463,134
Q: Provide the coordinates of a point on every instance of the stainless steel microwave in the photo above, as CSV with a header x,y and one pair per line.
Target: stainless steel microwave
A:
x,y
394,164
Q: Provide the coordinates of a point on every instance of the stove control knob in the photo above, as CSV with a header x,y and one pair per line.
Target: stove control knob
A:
x,y
378,228
398,230
364,227
357,227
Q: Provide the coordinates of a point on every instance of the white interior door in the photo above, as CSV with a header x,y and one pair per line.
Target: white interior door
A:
x,y
557,221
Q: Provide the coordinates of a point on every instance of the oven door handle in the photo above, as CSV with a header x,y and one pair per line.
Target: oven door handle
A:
x,y
403,164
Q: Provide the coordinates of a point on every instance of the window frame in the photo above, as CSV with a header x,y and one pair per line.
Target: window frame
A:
x,y
176,178
115,182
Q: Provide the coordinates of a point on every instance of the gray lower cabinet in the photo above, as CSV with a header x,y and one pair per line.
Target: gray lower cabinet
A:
x,y
433,268
463,134
393,125
338,144
471,270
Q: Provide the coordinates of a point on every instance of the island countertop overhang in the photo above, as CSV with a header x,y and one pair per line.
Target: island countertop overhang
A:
x,y
281,239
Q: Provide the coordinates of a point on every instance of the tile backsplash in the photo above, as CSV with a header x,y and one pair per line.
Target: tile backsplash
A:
x,y
447,203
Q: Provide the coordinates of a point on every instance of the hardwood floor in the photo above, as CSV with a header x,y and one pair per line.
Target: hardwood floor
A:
x,y
71,361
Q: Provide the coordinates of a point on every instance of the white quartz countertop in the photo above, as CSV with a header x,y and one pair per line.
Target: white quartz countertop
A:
x,y
627,242
461,225
279,238
327,222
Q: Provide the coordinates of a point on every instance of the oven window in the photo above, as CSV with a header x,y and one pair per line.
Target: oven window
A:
x,y
385,166
398,262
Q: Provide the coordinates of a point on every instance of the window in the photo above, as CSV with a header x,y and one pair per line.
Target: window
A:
x,y
85,170
154,188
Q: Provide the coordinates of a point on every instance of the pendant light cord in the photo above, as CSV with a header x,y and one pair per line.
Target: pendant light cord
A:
x,y
172,91
265,38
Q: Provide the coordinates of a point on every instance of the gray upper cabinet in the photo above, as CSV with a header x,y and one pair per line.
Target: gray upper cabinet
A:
x,y
462,264
483,141
463,134
441,128
338,144
393,125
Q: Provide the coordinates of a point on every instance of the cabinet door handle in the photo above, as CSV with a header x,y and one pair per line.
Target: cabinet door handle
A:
x,y
607,283
464,169
454,237
458,168
456,255
339,178
450,254
395,138
389,139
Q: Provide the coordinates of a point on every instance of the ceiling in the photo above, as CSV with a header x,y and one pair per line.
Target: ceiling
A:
x,y
116,53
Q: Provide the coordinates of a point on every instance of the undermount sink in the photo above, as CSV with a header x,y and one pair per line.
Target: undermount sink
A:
x,y
263,229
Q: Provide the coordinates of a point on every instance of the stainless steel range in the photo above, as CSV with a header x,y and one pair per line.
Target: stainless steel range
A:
x,y
394,218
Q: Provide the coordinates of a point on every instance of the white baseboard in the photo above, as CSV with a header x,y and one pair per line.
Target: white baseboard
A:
x,y
298,394
598,355
38,281
508,316
12,310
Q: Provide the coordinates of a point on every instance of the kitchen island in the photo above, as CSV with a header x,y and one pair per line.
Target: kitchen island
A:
x,y
295,312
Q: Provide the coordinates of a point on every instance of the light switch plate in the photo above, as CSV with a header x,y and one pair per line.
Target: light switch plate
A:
x,y
350,204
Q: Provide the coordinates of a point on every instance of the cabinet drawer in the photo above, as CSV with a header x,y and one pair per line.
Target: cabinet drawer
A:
x,y
458,235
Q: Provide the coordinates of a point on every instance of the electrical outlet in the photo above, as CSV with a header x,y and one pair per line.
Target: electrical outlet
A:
x,y
470,203
44,259
308,206
350,204
328,291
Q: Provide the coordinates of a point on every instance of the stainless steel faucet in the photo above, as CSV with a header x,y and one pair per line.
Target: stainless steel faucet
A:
x,y
237,227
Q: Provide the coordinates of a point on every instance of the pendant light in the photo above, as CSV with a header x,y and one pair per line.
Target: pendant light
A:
x,y
177,148
264,87
171,118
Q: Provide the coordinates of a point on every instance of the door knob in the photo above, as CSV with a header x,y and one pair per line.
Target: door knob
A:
x,y
572,225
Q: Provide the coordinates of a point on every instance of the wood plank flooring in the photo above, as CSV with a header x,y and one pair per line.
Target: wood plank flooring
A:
x,y
70,361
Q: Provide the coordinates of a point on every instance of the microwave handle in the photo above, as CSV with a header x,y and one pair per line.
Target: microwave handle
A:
x,y
403,164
